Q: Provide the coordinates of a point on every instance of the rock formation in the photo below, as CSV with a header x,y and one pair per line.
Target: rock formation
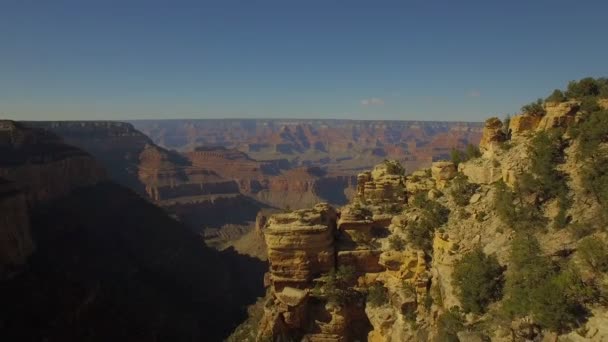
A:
x,y
492,135
16,243
40,164
82,258
340,144
402,238
300,245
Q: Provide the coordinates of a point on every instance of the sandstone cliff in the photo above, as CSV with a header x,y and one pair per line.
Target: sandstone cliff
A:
x,y
389,265
345,144
82,258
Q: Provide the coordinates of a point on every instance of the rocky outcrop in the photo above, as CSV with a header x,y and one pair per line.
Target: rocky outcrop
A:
x,y
385,183
300,245
16,243
560,114
442,172
40,164
492,135
522,123
115,145
341,145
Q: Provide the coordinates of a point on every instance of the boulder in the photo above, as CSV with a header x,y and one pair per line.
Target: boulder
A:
x,y
442,172
492,135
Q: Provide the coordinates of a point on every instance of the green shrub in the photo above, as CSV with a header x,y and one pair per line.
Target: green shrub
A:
x,y
394,167
461,190
432,216
556,96
594,253
580,230
589,104
536,287
505,126
335,285
546,152
514,211
345,274
472,152
534,108
396,243
591,133
528,270
585,87
457,156
478,278
377,295
449,324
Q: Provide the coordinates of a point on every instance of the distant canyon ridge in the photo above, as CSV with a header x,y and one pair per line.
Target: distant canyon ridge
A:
x,y
216,175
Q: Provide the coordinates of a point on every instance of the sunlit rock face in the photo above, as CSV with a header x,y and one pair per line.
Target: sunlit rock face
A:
x,y
492,135
300,245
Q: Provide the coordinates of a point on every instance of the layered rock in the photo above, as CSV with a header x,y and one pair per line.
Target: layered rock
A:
x,y
442,172
522,123
558,114
492,135
300,245
40,164
16,243
384,183
341,144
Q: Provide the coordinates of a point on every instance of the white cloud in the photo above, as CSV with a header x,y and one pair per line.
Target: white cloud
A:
x,y
474,93
373,101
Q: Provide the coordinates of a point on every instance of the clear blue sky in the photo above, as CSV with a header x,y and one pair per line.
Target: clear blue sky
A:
x,y
430,60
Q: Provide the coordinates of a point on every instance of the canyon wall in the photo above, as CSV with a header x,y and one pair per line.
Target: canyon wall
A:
x,y
83,258
348,144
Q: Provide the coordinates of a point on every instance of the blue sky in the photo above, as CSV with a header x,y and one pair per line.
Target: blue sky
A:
x,y
404,60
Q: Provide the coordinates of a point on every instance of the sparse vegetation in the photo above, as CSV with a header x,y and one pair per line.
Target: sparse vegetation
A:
x,y
534,108
551,294
514,210
394,167
449,324
478,278
377,294
471,152
594,253
506,122
556,96
433,215
396,243
461,190
335,285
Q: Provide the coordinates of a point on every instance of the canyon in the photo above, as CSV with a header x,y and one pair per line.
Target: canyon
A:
x,y
404,260
84,258
199,171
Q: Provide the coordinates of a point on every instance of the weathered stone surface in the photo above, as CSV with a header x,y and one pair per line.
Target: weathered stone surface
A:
x,y
300,245
558,114
381,184
522,123
356,223
442,172
480,172
492,135
364,261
